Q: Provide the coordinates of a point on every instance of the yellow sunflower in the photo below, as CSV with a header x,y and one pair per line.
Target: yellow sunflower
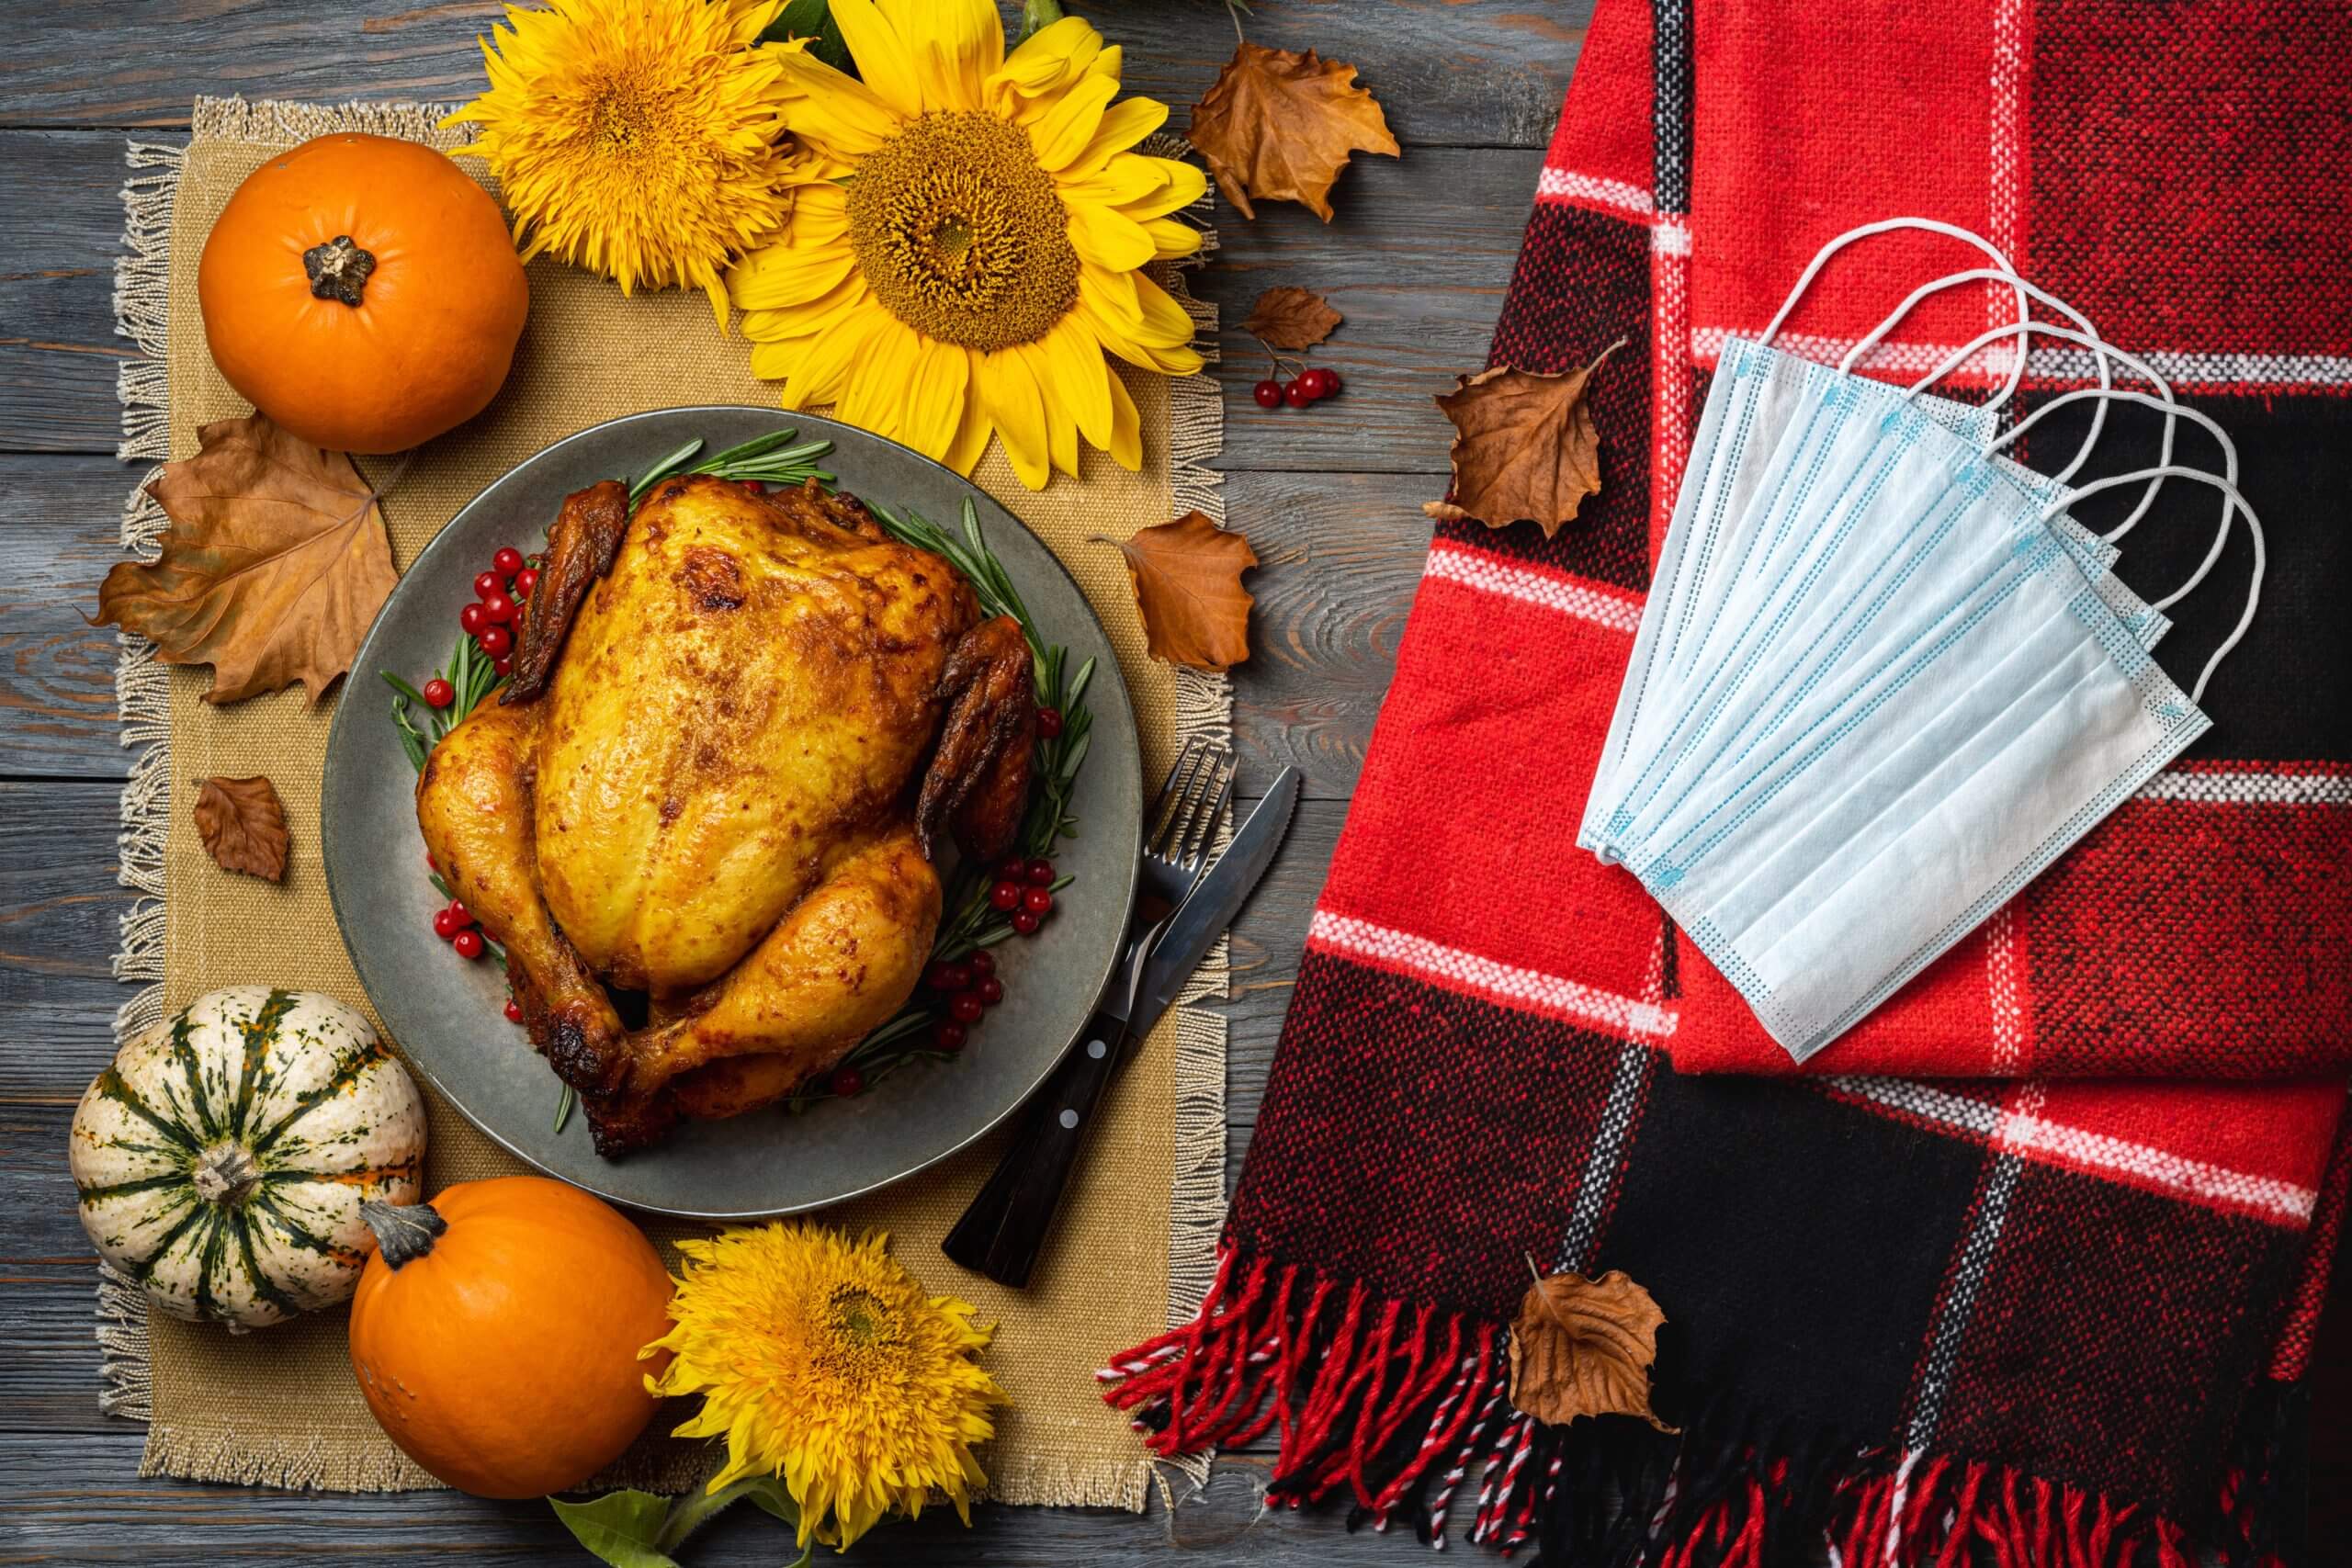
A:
x,y
638,139
965,238
821,1360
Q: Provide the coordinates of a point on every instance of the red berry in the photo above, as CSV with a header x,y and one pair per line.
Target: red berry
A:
x,y
507,561
990,990
1005,896
473,619
948,1035
1330,384
1012,870
459,913
445,924
439,693
1025,923
514,1011
504,666
1038,872
755,486
496,641
488,583
965,1007
1037,901
982,964
498,609
1049,723
430,864
1267,393
937,978
468,942
524,580
848,1081
1296,395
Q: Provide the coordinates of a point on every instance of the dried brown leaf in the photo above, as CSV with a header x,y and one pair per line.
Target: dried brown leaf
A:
x,y
275,563
1187,578
1279,127
1584,1347
243,826
1290,318
1525,448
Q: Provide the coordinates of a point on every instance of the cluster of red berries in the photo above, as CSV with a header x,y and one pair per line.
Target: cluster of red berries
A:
x,y
966,988
456,925
1024,893
489,618
1311,385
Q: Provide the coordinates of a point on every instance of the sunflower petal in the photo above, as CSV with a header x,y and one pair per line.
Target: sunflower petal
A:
x,y
837,112
1062,132
783,275
1166,323
1184,184
874,393
932,406
1117,336
1124,123
806,320
885,62
957,46
1108,239
1127,179
1170,238
1079,378
819,371
1126,427
1051,56
1113,292
972,427
1017,409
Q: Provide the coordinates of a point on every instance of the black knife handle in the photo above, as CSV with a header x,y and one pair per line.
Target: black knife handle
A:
x,y
1004,1230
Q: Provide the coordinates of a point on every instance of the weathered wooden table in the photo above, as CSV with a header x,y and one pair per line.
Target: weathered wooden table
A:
x,y
1417,260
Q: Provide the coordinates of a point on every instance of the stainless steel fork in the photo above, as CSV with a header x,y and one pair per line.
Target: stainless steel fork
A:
x,y
1004,1229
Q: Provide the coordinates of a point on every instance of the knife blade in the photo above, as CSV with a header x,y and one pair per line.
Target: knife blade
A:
x,y
1210,907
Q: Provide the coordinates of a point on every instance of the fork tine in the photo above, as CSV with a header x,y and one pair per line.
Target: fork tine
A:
x,y
1200,833
1172,793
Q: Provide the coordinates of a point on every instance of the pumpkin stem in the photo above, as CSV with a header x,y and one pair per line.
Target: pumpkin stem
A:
x,y
226,1173
339,270
405,1232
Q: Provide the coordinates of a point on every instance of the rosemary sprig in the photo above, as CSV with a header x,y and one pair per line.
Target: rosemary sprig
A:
x,y
774,459
474,676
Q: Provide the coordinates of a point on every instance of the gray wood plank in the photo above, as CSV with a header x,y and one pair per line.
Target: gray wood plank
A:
x,y
60,1511
58,519
1416,260
1449,72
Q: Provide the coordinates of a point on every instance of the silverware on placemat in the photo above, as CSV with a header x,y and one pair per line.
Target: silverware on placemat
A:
x,y
1004,1230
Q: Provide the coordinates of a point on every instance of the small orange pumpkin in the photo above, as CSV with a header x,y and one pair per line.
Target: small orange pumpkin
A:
x,y
495,1332
362,292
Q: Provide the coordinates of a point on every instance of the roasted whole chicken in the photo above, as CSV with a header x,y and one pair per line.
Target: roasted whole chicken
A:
x,y
736,728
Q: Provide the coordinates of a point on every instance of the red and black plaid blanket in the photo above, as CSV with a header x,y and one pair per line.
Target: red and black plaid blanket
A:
x,y
2005,1306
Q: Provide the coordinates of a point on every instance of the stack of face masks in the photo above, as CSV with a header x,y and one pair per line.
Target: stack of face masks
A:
x,y
1883,679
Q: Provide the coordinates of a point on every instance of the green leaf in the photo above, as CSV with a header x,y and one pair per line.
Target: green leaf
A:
x,y
623,1529
813,19
1036,14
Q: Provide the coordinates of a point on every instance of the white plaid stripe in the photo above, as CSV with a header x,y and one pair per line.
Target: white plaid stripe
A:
x,y
1491,574
2249,789
1591,190
1552,996
2062,364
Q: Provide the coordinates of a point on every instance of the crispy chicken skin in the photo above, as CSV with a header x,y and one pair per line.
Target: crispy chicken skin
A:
x,y
754,714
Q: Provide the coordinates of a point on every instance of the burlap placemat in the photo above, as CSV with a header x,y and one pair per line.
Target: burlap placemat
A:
x,y
279,1406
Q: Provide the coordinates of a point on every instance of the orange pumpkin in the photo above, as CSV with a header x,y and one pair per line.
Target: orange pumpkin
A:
x,y
495,1332
362,292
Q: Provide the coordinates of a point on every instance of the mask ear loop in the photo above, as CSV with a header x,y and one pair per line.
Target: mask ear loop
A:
x,y
2229,465
2023,330
2131,362
2254,526
1887,226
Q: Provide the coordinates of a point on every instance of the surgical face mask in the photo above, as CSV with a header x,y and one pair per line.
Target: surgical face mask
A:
x,y
1881,681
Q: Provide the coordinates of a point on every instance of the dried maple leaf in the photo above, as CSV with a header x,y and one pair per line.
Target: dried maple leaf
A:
x,y
1280,126
1524,447
1290,318
243,826
275,563
1584,1347
1187,578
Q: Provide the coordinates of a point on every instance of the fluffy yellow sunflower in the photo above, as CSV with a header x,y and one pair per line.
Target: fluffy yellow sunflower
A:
x,y
967,237
821,1360
639,139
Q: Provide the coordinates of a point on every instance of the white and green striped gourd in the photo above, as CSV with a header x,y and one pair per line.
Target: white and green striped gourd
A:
x,y
222,1161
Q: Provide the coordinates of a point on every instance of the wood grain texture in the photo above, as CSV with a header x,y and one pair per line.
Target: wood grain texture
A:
x,y
1450,72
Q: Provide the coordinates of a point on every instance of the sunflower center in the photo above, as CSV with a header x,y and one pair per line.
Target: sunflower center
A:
x,y
961,234
860,1328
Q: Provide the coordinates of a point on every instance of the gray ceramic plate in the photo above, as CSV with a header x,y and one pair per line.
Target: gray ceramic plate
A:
x,y
446,1014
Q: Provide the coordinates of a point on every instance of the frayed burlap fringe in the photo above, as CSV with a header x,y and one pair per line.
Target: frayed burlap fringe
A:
x,y
141,303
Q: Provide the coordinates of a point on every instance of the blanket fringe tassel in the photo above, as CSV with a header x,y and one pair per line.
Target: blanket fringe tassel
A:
x,y
1403,1411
